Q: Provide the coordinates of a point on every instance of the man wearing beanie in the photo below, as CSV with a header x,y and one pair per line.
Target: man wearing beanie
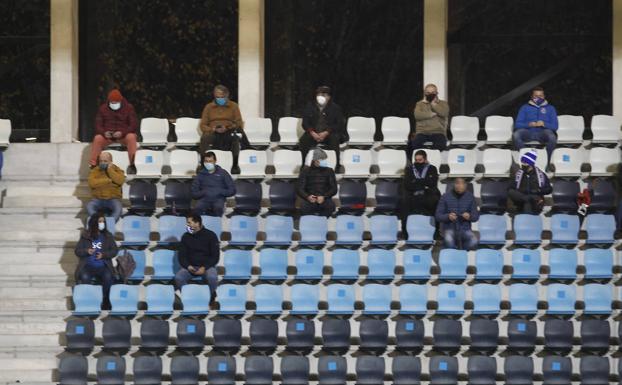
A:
x,y
536,121
530,186
115,122
316,186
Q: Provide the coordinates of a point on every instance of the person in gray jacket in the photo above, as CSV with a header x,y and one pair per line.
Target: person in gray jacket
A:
x,y
456,211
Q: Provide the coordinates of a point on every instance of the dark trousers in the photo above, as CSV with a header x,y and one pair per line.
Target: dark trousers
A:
x,y
307,142
102,274
526,204
439,142
543,135
211,207
325,209
226,141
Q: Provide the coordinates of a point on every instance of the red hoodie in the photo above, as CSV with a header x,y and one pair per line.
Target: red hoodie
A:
x,y
124,119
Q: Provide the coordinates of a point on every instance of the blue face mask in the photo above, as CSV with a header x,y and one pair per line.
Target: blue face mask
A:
x,y
538,101
324,163
103,166
221,101
209,166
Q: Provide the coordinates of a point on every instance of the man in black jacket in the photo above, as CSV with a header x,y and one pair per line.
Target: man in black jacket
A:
x,y
316,186
530,186
198,254
421,192
323,122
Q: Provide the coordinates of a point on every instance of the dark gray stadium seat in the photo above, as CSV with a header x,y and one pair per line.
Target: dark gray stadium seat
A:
x,y
336,335
374,335
595,335
603,194
594,370
565,196
143,196
406,370
227,335
177,196
258,370
522,335
443,370
352,197
73,370
447,335
282,197
117,333
190,334
518,370
147,370
370,370
482,370
409,335
484,334
221,370
332,370
387,197
300,333
154,334
556,370
263,333
80,335
295,370
558,335
110,370
247,197
184,370
494,196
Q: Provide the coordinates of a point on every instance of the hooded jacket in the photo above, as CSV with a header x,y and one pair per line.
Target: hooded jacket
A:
x,y
453,203
124,119
530,112
200,249
109,251
211,186
316,181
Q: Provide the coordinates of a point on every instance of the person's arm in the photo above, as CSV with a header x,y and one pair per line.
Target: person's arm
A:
x,y
546,188
441,108
551,118
100,129
431,180
132,120
97,179
521,119
473,211
115,174
229,188
111,247
423,111
332,185
82,248
182,253
441,214
195,189
214,251
302,184
205,120
409,177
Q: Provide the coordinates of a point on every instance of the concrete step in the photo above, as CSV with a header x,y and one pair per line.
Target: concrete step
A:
x,y
56,236
48,341
35,304
40,201
37,258
47,190
35,270
27,376
34,293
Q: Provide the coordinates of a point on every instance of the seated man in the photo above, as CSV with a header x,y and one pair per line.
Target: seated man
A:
x,y
105,182
530,186
198,254
323,122
536,121
222,125
115,123
211,187
431,115
455,212
316,186
421,192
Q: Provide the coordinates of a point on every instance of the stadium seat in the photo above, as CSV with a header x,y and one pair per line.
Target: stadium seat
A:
x,y
443,370
556,370
184,370
238,265
413,299
420,230
147,369
336,335
313,230
387,197
383,229
268,299
447,334
282,197
598,263
356,163
492,229
523,298
565,196
73,369
484,334
597,298
604,161
498,129
332,370
558,335
595,335
154,333
527,229
243,230
177,196
247,197
494,196
373,335
258,131
221,370
433,156
309,264
279,230
286,164
522,335
525,264
369,370
224,159
340,299
160,299
600,228
188,131
110,370
136,230
497,163
171,228
148,164
227,333
5,132
464,129
482,370
603,195
486,298
295,370
361,131
565,229
153,131
594,370
381,264
232,299
124,299
352,197
212,223
488,264
395,130
391,163
406,370
252,164
567,161
116,333
377,299
190,334
605,129
183,163
409,334
453,264
120,158
263,335
345,264
258,370
290,129
541,161
562,264
416,264
273,264
195,299
349,230
518,370
461,162
165,265
570,129
80,335
143,196
450,298
304,298
561,298
87,299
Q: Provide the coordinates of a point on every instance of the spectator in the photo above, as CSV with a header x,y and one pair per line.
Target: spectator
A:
x,y
316,186
536,121
115,123
421,192
198,254
211,187
105,182
323,123
530,186
95,249
455,211
222,125
431,115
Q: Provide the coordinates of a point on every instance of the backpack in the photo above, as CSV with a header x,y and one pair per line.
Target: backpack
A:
x,y
125,266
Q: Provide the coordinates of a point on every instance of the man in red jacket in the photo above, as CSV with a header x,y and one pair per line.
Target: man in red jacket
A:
x,y
115,122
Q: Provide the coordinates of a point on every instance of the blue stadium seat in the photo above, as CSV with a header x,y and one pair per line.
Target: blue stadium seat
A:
x,y
282,194
160,299
184,370
221,370
453,264
195,299
258,370
340,299
110,370
488,264
309,264
417,263
600,228
136,230
143,197
243,230
561,298
212,223
383,229
304,298
377,299
450,298
171,228
406,370
556,370
269,299
528,229
247,197
332,370
420,230
562,264
273,264
87,299
492,229
178,196
163,261
597,298
238,265
232,299
147,370
352,197
518,370
413,299
443,370
523,298
482,370
525,264
370,370
409,334
598,263
73,369
381,264
139,257
124,299
565,229
349,230
313,230
486,298
345,264
279,230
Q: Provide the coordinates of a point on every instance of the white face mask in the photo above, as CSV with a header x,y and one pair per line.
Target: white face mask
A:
x,y
114,106
101,226
321,100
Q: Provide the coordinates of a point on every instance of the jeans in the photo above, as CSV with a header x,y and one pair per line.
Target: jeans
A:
x,y
100,142
113,205
103,274
542,135
619,215
183,276
465,240
215,208
439,142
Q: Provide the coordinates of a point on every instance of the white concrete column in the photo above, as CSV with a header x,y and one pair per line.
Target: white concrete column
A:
x,y
251,58
617,58
63,70
435,45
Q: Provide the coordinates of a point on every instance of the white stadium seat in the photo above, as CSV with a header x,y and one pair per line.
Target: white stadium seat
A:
x,y
120,158
498,129
541,162
464,129
497,162
605,129
356,163
567,161
433,156
286,163
361,130
570,129
391,163
224,159
188,131
5,132
395,130
252,163
461,162
290,129
148,163
331,158
154,131
604,161
183,163
258,131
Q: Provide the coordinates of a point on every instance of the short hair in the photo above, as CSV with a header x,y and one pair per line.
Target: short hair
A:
x,y
196,218
430,85
422,153
222,88
323,90
209,154
458,179
538,88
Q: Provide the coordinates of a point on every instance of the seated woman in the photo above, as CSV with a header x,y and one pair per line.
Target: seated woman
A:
x,y
96,248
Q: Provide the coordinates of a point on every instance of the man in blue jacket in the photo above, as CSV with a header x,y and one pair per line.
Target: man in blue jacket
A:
x,y
211,187
536,121
456,211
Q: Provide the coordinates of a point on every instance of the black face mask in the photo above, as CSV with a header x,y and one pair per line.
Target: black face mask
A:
x,y
525,168
430,97
419,166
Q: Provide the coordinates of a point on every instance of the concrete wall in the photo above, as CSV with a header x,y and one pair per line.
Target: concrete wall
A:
x,y
46,160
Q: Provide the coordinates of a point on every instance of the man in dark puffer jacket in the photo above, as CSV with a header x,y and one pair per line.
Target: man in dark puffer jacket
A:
x,y
455,211
316,186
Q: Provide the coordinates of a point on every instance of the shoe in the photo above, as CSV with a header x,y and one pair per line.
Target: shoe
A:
x,y
131,170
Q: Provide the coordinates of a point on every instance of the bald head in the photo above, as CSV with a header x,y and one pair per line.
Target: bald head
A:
x,y
105,158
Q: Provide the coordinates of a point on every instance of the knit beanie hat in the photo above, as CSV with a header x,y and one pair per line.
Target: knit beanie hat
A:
x,y
529,158
319,154
115,96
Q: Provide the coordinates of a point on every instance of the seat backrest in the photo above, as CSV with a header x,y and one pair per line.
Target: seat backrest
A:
x,y
282,196
361,129
461,162
528,228
243,229
5,131
177,196
450,298
518,370
313,228
258,130
493,196
195,299
567,161
561,298
232,298
221,369
556,370
87,299
124,299
453,263
497,162
238,264
565,196
570,128
603,195
525,263
395,129
224,159
147,370
309,263
120,158
486,298
370,370
499,129
464,129
154,130
286,163
188,130
600,228
269,299
417,263
350,228
252,163
383,228
305,298
598,263
136,228
565,228
110,369
413,298
273,263
492,228
332,370
184,163
387,196
163,262
443,370
489,264
523,298
340,299
184,370
171,228
290,129
605,128
420,228
381,263
345,263
73,369
160,299
597,298
604,161
481,369
148,163
377,298
391,163
295,370
212,223
356,162
258,370
279,228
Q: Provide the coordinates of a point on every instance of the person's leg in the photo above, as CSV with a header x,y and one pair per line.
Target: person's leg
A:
x,y
333,144
211,277
450,238
549,139
235,149
619,215
207,141
305,144
429,203
308,208
327,208
469,240
519,137
130,142
93,206
99,143
107,279
116,207
84,276
182,277
518,199
217,207
439,142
